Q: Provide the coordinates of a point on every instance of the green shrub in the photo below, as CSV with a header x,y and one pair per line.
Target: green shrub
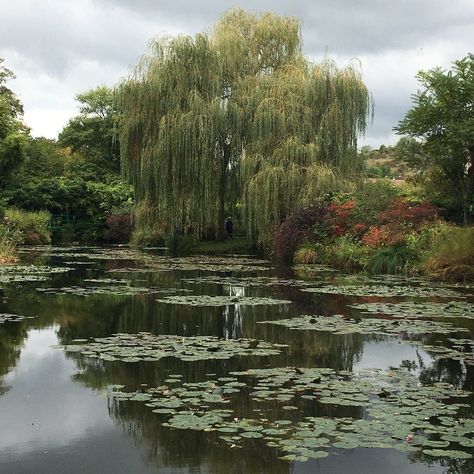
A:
x,y
397,259
180,245
148,229
308,252
347,255
8,244
147,235
30,227
423,239
373,197
451,256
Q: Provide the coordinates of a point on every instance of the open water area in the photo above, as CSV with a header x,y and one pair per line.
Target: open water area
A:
x,y
115,360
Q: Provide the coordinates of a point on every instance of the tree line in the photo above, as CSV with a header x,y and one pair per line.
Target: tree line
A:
x,y
235,122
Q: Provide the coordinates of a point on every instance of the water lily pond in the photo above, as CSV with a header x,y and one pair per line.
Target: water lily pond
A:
x,y
114,360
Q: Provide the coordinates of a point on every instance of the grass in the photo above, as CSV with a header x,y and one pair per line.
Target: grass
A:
x,y
31,227
7,250
347,255
452,258
391,260
307,253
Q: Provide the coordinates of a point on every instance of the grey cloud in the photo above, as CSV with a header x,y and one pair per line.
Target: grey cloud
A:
x,y
343,26
55,36
60,48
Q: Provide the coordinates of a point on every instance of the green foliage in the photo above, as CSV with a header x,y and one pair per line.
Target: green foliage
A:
x,y
76,190
179,245
371,197
13,132
410,151
421,241
84,204
396,259
392,161
442,118
379,172
28,227
347,254
148,230
239,115
8,243
451,256
92,132
308,252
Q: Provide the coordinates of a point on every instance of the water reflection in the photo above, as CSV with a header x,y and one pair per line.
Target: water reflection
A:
x,y
233,314
54,408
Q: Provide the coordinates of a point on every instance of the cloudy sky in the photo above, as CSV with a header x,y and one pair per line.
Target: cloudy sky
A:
x,y
58,48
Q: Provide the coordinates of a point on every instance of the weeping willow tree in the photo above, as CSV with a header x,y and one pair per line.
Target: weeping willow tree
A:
x,y
306,126
237,115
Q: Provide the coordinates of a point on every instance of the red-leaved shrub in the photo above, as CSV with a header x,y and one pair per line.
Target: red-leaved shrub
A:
x,y
339,218
399,218
383,236
400,211
297,228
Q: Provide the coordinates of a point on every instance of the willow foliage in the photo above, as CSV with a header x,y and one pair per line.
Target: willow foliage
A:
x,y
238,115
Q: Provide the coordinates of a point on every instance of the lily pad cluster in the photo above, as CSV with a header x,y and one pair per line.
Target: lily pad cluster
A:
x,y
314,268
131,270
339,324
153,263
206,266
12,318
386,291
452,309
148,347
26,273
461,349
206,300
91,253
247,281
114,289
395,411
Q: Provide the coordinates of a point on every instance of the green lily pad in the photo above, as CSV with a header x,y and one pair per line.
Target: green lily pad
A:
x,y
146,346
205,300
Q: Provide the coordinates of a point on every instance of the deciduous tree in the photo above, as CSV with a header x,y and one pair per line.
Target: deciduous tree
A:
x,y
239,115
443,118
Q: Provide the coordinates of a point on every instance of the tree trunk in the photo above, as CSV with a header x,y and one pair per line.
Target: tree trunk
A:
x,y
220,231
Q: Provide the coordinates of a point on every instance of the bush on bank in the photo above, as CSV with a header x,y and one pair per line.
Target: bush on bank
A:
x,y
379,231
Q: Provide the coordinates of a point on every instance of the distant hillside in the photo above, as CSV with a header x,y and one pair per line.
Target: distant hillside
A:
x,y
391,161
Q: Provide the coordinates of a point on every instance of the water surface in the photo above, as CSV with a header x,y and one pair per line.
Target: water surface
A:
x,y
56,411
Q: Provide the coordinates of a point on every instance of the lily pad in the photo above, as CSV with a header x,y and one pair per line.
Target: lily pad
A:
x,y
12,318
205,300
146,346
452,309
386,291
339,324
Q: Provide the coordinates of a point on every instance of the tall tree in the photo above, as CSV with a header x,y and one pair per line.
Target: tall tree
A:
x,y
237,115
92,132
13,133
443,118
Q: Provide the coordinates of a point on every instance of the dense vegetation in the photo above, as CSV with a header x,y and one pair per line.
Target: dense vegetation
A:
x,y
69,187
238,122
379,230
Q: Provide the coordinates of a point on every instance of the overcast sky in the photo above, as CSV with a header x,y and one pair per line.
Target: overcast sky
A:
x,y
58,48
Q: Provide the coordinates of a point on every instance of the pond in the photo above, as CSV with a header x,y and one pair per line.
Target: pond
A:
x,y
117,360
